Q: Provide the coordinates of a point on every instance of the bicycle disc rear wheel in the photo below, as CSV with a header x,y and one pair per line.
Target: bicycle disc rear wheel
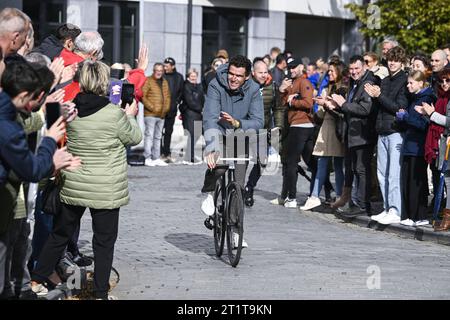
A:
x,y
235,222
219,218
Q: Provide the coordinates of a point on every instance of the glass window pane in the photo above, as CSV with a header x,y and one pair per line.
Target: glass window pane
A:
x,y
236,23
105,15
236,45
210,45
107,35
128,44
128,16
54,12
210,21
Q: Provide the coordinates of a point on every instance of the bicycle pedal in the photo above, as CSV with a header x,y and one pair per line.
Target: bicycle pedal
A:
x,y
208,223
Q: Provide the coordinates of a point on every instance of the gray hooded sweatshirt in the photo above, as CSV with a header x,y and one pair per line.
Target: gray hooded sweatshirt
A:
x,y
245,105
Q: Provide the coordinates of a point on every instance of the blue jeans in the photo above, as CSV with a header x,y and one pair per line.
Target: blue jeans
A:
x,y
322,171
388,170
152,137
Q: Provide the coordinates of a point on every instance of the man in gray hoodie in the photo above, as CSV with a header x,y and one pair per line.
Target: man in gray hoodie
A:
x,y
233,103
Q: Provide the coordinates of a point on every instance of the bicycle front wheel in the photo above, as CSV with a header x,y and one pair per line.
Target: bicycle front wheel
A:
x,y
219,217
235,222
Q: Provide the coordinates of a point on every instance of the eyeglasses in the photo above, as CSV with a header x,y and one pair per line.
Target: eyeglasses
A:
x,y
445,80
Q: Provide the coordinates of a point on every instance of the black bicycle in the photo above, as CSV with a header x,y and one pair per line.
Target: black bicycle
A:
x,y
229,212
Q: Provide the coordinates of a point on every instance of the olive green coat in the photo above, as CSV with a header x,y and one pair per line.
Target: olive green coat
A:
x,y
99,140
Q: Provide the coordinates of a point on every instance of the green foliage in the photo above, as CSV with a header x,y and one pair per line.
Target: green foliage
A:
x,y
418,25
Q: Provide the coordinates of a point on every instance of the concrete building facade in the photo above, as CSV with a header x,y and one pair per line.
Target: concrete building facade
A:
x,y
309,28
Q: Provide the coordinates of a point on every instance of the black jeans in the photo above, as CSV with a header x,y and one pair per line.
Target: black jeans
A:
x,y
211,176
360,161
167,136
300,142
105,224
189,119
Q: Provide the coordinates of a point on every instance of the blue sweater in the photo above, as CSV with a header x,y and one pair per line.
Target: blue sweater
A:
x,y
416,124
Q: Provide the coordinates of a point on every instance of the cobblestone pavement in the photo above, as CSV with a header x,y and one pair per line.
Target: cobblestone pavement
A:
x,y
164,251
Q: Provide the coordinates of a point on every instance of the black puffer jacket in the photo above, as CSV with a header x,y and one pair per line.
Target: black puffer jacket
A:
x,y
193,97
176,82
393,97
359,115
50,46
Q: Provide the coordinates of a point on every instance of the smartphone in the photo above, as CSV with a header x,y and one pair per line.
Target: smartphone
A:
x,y
117,74
115,91
52,113
288,74
127,94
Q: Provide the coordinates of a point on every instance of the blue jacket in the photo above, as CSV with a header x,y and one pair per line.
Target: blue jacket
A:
x,y
416,124
245,105
17,162
14,152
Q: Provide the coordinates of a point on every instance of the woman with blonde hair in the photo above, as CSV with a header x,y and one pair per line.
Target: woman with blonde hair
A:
x,y
98,136
414,182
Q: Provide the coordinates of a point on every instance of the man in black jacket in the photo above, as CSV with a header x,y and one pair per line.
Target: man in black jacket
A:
x,y
389,97
64,37
176,82
360,132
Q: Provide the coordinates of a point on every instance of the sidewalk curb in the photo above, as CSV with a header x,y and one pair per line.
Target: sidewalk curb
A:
x,y
425,233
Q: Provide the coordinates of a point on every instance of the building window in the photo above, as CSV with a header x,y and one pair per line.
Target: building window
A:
x,y
118,24
223,29
46,15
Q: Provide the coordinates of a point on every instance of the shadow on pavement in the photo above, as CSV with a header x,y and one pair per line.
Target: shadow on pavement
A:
x,y
192,242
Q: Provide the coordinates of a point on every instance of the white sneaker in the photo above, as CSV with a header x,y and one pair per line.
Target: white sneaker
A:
x,y
290,203
236,241
378,216
421,223
39,289
311,202
149,162
389,218
208,205
274,157
407,222
160,163
277,202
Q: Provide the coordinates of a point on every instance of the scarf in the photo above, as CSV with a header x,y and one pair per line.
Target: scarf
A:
x,y
434,130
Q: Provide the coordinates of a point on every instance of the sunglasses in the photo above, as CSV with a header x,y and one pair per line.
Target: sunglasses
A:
x,y
445,80
367,61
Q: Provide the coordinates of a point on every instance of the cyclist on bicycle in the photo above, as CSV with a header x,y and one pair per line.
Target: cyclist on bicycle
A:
x,y
232,103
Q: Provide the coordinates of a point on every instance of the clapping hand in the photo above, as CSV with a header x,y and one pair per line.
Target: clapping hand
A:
x,y
340,100
372,90
425,109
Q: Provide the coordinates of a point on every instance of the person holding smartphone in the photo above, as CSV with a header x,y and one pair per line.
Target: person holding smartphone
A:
x,y
22,91
98,136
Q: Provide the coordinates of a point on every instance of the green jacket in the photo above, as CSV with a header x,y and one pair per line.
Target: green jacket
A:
x,y
99,139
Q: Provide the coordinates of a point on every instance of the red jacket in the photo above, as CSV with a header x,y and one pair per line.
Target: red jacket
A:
x,y
137,77
70,57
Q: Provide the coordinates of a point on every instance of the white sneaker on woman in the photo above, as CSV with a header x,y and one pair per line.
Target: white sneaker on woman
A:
x,y
311,202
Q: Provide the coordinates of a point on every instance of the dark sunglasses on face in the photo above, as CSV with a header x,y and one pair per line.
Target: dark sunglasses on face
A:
x,y
445,80
367,61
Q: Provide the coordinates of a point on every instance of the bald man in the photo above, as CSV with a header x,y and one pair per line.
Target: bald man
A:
x,y
14,26
438,62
